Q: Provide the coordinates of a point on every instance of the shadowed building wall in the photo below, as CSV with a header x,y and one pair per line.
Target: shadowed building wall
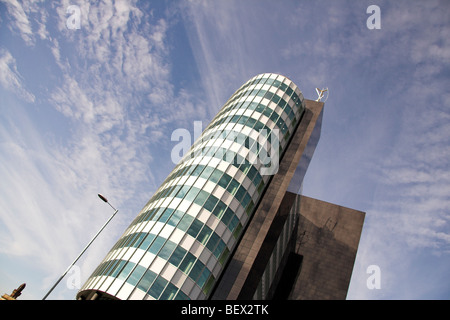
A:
x,y
328,239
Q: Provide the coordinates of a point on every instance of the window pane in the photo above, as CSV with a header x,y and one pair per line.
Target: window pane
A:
x,y
183,191
169,293
251,122
136,275
252,172
157,287
260,107
187,263
166,215
213,240
204,235
146,280
210,203
185,222
202,196
177,256
126,270
117,268
138,240
227,216
233,223
157,244
207,172
181,296
192,193
232,188
223,182
220,247
217,174
195,228
196,270
197,170
175,218
276,83
289,91
240,194
276,98
267,112
203,277
166,251
220,209
246,200
274,117
245,167
147,241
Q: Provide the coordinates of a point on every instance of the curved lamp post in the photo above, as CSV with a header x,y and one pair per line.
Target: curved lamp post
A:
x,y
85,248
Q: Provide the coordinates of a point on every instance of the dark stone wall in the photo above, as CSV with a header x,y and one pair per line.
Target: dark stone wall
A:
x,y
328,239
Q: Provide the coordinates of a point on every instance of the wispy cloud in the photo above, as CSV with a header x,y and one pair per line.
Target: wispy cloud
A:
x,y
20,22
10,78
108,70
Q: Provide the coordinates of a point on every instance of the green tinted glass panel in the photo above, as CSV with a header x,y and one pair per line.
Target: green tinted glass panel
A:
x,y
195,228
136,275
187,263
185,222
204,235
146,280
157,287
166,251
177,256
169,293
145,244
157,244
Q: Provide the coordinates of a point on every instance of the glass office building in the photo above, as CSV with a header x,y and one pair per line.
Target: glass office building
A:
x,y
179,244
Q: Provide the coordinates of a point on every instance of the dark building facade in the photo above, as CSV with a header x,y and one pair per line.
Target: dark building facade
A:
x,y
226,222
326,247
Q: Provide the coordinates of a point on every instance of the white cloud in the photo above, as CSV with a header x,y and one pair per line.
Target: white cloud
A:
x,y
105,77
10,78
20,20
25,16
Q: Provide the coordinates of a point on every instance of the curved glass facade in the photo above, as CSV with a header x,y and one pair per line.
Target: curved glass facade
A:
x,y
178,245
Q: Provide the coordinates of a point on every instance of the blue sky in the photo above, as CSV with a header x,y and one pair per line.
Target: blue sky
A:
x,y
91,110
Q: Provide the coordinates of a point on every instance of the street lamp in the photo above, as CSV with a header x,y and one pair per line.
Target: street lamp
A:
x,y
85,248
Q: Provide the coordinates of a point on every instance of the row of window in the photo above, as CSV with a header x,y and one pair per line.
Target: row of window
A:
x,y
215,175
252,123
252,105
261,107
155,244
151,283
238,137
264,80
